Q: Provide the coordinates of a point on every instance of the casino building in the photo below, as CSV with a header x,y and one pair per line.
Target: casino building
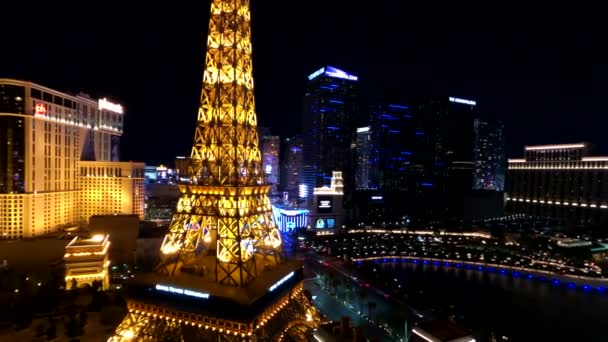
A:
x,y
559,181
327,213
44,136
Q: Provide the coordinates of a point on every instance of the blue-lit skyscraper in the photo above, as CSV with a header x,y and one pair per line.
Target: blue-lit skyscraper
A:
x,y
270,148
421,158
362,169
393,138
292,167
490,159
328,127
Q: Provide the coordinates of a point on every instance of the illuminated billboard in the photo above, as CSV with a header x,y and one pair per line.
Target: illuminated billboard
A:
x,y
325,223
324,204
333,72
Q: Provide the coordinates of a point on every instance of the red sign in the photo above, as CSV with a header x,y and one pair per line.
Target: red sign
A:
x,y
40,109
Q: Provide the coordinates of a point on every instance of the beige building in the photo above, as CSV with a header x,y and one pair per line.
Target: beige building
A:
x,y
86,260
111,188
44,135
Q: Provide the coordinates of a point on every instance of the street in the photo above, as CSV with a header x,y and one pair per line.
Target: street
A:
x,y
358,309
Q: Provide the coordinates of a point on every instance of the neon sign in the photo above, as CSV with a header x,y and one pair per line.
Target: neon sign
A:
x,y
182,291
281,281
325,204
333,72
40,109
316,73
363,129
463,101
113,107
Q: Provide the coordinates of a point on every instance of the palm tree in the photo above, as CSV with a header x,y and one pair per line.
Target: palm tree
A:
x,y
362,295
370,307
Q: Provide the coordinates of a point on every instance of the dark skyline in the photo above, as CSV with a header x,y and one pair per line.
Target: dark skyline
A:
x,y
540,70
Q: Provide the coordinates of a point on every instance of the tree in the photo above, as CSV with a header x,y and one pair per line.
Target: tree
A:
x,y
51,330
362,295
83,317
73,327
39,330
95,286
370,308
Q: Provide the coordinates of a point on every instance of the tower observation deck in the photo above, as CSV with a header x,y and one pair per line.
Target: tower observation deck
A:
x,y
222,274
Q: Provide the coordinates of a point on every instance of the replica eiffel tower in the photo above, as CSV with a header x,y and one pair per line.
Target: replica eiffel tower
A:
x,y
222,274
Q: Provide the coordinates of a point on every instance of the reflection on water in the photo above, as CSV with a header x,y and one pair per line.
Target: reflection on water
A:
x,y
522,309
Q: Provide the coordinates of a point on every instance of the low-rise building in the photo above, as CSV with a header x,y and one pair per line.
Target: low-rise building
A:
x,y
86,261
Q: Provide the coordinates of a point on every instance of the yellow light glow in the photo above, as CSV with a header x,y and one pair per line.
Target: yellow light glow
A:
x,y
224,193
554,147
128,334
170,248
98,237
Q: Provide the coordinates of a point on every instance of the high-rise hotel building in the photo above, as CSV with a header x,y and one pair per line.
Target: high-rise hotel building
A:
x,y
559,181
331,104
489,155
44,135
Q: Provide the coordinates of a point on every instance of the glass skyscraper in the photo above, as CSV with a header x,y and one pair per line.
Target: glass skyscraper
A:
x,y
363,167
393,135
490,159
292,167
421,158
330,109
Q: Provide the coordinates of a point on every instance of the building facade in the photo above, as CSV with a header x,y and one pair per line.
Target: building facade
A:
x,y
288,219
489,155
421,159
327,214
44,134
292,167
559,181
86,260
392,137
271,148
111,188
362,180
329,114
442,164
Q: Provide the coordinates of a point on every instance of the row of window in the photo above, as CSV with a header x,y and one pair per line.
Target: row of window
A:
x,y
48,97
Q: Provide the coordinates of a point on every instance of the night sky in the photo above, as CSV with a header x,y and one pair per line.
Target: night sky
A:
x,y
543,70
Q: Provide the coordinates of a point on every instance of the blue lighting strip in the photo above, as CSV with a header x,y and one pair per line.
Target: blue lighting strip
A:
x,y
278,283
491,269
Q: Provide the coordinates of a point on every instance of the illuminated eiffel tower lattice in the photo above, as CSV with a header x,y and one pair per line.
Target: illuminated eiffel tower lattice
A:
x,y
226,205
222,275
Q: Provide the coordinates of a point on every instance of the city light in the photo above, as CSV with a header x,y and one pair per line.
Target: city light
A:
x,y
182,291
595,159
363,129
303,190
98,237
554,147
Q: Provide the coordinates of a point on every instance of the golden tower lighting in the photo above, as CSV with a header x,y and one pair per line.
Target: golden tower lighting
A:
x,y
225,207
221,275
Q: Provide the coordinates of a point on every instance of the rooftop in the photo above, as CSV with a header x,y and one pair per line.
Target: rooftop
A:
x,y
201,295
